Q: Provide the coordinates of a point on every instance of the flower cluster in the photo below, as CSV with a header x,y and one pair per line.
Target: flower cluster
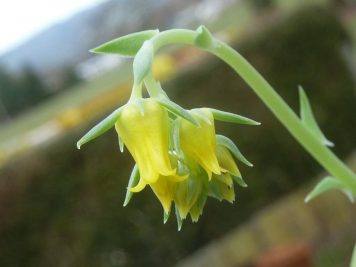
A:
x,y
177,152
178,155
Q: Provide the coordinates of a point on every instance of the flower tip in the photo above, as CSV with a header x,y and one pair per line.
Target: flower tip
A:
x,y
328,143
307,199
79,144
165,217
126,202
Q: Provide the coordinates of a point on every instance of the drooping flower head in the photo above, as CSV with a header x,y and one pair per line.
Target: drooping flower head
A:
x,y
177,152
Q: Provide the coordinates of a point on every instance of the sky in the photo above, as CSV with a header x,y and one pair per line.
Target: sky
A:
x,y
21,19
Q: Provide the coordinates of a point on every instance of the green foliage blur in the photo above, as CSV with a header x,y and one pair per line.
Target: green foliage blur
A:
x,y
63,207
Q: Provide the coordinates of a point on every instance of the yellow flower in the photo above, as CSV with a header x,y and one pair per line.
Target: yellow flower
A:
x,y
143,127
198,142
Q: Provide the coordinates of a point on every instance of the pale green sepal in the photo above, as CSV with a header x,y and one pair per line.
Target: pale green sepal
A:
x,y
231,117
176,143
127,45
328,183
176,109
241,182
121,144
214,190
179,219
100,128
142,62
227,142
203,39
197,210
133,181
166,217
308,119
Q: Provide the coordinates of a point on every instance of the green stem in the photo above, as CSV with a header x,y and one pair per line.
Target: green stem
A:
x,y
151,86
272,100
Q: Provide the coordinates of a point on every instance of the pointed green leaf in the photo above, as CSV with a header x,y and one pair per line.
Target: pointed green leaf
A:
x,y
203,39
308,118
231,117
133,181
327,184
176,110
229,144
179,219
127,45
100,128
142,62
239,181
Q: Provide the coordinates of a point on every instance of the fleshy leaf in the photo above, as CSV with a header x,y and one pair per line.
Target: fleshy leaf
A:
x,y
142,62
308,118
176,109
231,117
204,38
100,128
133,181
328,183
227,142
127,45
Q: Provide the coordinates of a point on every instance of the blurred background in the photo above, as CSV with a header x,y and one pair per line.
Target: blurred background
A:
x,y
63,207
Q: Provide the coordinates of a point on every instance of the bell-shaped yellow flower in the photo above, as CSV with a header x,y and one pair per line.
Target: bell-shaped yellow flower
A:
x,y
143,127
198,142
